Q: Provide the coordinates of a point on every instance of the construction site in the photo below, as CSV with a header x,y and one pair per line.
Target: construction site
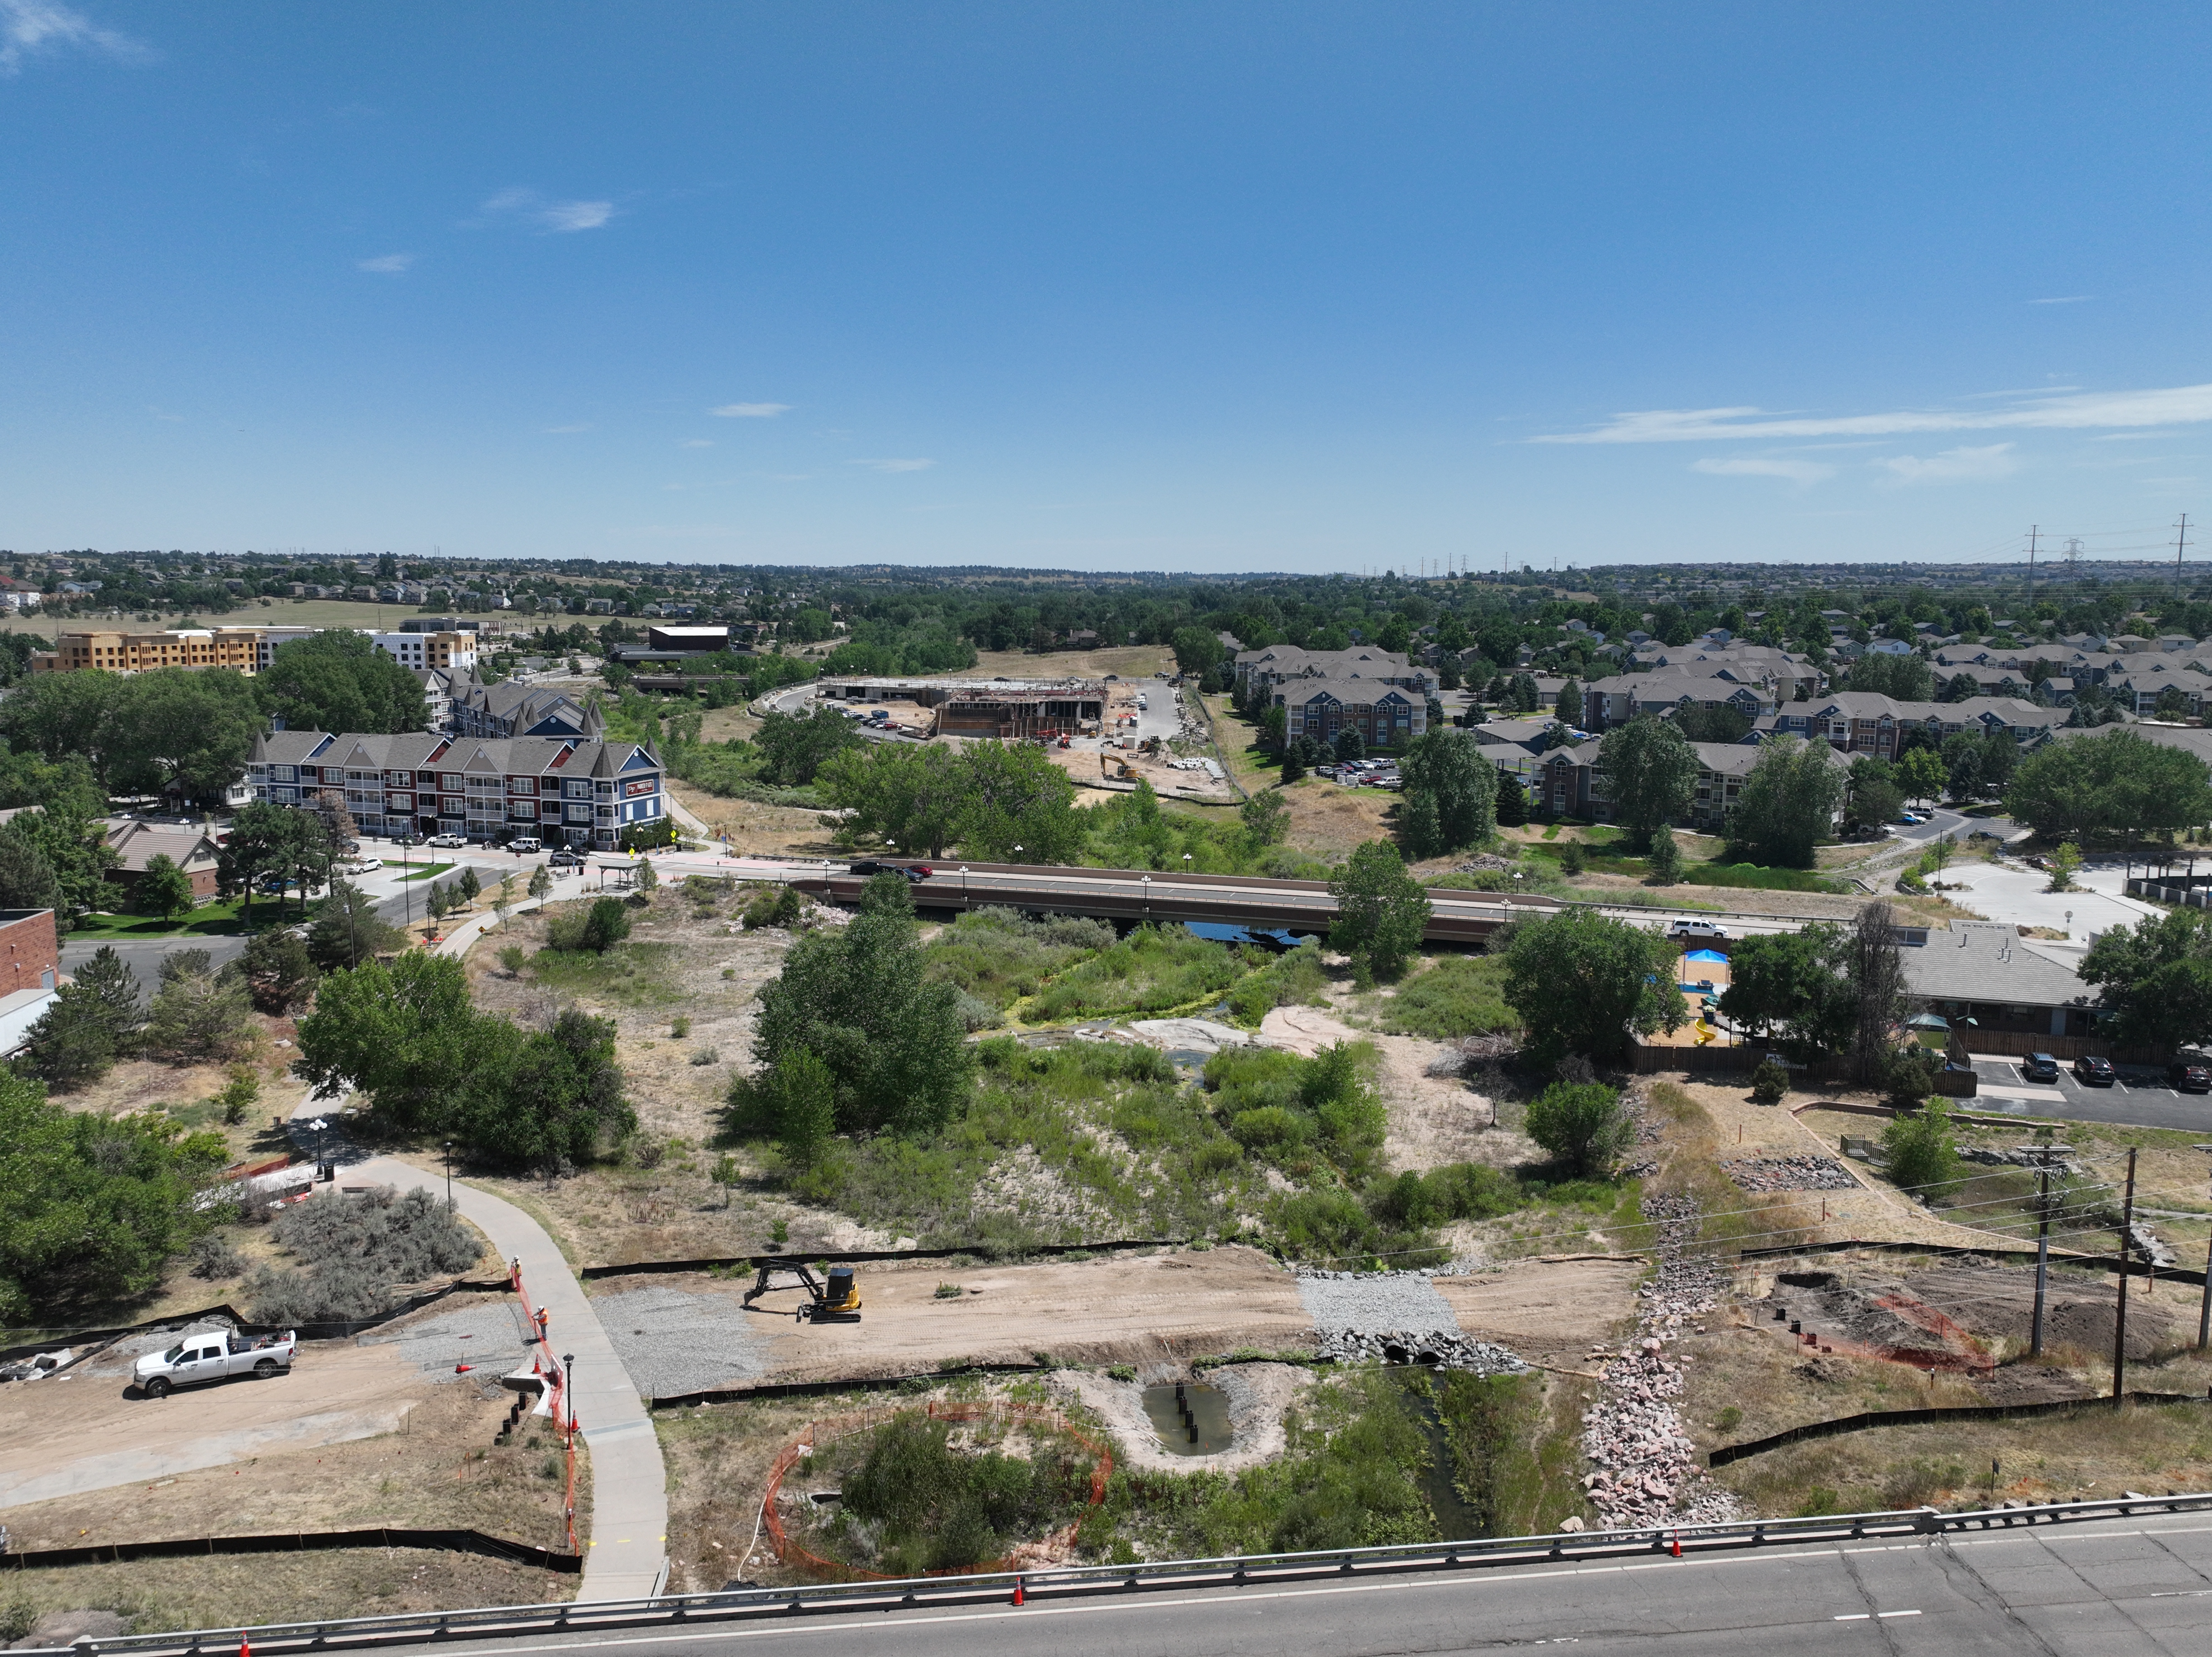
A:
x,y
1012,710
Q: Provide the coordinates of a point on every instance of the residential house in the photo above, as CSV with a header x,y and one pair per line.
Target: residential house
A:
x,y
138,843
1985,973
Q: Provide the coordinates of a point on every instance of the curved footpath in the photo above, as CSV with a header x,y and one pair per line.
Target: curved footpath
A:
x,y
626,1554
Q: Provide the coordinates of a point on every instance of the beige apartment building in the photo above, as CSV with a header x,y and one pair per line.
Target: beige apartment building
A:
x,y
248,649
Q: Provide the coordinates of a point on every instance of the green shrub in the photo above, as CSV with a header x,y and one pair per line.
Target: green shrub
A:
x,y
1156,968
1294,977
938,1509
1769,1083
997,956
1583,1124
1922,1153
1461,995
594,930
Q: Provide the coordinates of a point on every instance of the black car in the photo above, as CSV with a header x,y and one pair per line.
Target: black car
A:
x,y
918,873
2040,1067
2189,1076
2095,1071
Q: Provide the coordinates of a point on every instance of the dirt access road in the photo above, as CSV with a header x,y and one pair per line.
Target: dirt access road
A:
x,y
81,1431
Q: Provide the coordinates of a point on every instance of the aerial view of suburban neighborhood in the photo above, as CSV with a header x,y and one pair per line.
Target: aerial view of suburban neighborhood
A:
x,y
983,848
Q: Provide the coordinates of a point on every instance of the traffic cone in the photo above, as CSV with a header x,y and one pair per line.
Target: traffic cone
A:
x,y
1019,1599
243,1649
1678,1544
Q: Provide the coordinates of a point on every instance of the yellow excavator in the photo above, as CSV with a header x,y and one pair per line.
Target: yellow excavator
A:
x,y
1120,767
837,1301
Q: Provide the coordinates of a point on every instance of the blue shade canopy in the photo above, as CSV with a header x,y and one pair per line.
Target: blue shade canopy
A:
x,y
1706,955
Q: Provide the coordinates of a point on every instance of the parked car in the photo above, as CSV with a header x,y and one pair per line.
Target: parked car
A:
x,y
565,861
1698,929
1911,819
2094,1072
448,841
865,866
526,844
214,1356
2187,1075
2040,1067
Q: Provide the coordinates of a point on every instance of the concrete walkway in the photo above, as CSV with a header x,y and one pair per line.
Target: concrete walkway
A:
x,y
624,1555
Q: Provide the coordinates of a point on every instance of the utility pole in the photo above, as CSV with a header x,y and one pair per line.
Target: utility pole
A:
x,y
2042,1256
2204,1311
2120,1316
2181,541
2032,530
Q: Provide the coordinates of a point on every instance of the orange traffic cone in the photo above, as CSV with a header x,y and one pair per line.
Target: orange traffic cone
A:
x,y
1019,1599
243,1649
1678,1544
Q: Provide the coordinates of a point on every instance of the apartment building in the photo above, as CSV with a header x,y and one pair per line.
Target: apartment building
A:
x,y
1609,703
248,650
510,709
1381,713
1278,664
565,790
1856,722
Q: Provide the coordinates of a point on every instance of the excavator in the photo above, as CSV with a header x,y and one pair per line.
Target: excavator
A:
x,y
838,1300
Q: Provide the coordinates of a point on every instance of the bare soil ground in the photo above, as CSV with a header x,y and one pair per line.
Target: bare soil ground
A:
x,y
1127,1308
1433,1119
769,831
1548,1310
1258,1393
1130,662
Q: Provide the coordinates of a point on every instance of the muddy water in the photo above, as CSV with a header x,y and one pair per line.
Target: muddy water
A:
x,y
1207,1432
1456,1521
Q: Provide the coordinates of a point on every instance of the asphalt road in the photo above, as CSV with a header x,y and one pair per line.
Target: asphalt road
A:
x,y
2111,1588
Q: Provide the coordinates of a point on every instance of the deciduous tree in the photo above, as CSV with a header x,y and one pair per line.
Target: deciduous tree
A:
x,y
1381,912
1583,984
1651,775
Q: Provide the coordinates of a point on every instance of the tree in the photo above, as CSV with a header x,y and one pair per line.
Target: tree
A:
x,y
403,1033
198,1017
164,889
1905,678
338,826
347,932
65,715
802,1103
91,1021
1523,694
1788,803
2065,862
893,1042
1583,1125
647,877
1294,765
27,879
278,973
794,750
1651,775
74,848
1720,724
1381,912
1196,651
1877,978
266,838
1583,984
1922,774
1459,786
1960,687
1798,982
550,1099
1264,817
541,882
2154,979
1918,1148
1875,796
467,886
1349,745
181,730
596,929
339,681
2114,784
1665,859
1016,796
91,1206
912,797
1512,801
1569,707
437,903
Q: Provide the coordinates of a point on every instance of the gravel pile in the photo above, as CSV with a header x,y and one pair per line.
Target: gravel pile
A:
x,y
1789,1174
1647,1473
488,1337
1376,1303
672,1343
1446,1351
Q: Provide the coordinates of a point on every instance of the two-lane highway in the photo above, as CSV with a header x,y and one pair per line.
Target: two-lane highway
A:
x,y
2114,1588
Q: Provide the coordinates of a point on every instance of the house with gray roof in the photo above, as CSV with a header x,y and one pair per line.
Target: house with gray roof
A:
x,y
1984,972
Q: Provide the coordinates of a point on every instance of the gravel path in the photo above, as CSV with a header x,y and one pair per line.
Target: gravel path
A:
x,y
671,1343
1789,1174
1376,1303
492,1343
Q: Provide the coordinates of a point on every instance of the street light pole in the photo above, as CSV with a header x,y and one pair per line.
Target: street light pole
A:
x,y
449,1176
964,904
2204,1312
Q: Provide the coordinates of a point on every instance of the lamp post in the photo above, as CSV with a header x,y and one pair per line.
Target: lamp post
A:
x,y
319,1124
449,1176
2204,1311
406,887
1145,881
963,887
568,1386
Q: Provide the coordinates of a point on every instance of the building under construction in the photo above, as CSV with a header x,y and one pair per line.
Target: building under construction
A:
x,y
1014,709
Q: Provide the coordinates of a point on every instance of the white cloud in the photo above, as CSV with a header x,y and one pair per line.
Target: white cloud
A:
x,y
749,410
1798,472
895,466
33,26
549,215
564,431
2178,405
2067,298
388,264
696,443
1953,465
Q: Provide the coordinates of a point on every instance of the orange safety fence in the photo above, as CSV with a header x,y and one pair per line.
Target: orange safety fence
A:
x,y
555,1375
818,1433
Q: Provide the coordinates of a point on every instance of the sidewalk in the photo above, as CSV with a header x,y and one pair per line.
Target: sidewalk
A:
x,y
628,1546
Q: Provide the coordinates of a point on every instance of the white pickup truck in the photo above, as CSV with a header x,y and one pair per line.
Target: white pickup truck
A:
x,y
214,1356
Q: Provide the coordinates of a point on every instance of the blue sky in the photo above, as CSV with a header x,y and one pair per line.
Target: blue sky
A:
x,y
1204,287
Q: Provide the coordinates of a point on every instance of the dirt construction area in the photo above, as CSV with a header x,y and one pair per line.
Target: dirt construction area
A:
x,y
1136,1309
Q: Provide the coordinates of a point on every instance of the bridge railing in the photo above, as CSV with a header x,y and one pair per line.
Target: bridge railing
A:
x,y
1068,1582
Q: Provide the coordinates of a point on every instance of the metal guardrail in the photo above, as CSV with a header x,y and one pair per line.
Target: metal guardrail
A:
x,y
684,1609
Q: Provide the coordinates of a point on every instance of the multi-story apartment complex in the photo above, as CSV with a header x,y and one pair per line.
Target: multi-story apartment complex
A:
x,y
1382,714
565,790
509,709
248,649
1279,663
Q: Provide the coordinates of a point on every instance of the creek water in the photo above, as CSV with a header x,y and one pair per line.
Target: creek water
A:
x,y
1456,1521
1207,1432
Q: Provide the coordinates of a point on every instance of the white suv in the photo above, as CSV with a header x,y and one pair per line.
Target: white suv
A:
x,y
526,844
448,840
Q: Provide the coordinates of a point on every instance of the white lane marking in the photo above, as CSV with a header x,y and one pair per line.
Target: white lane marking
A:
x,y
1897,1613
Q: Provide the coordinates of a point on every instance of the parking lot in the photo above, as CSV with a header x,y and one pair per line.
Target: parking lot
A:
x,y
2140,1097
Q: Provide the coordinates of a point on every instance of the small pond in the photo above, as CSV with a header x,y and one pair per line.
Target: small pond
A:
x,y
1191,1419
